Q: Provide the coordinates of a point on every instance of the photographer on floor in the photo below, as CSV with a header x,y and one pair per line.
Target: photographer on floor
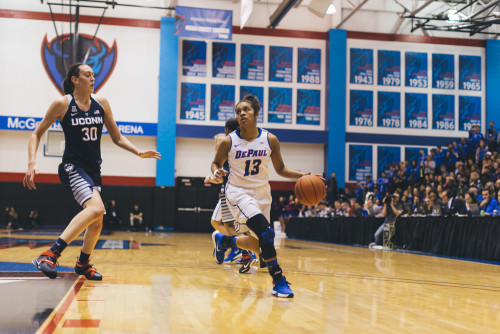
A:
x,y
390,212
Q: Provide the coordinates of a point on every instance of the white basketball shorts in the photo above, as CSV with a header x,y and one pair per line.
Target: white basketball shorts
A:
x,y
246,203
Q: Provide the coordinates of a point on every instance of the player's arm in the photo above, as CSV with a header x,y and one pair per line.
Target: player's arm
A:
x,y
218,139
117,138
219,159
277,159
56,111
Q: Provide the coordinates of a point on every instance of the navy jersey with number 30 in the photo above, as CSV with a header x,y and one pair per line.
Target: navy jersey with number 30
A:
x,y
82,132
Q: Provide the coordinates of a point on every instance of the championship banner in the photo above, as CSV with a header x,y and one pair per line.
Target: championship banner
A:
x,y
413,153
416,111
361,66
224,60
280,63
309,66
18,123
360,162
389,109
387,156
280,105
389,68
252,62
443,112
203,23
469,112
193,101
361,108
416,69
194,58
470,73
443,71
308,106
221,102
259,93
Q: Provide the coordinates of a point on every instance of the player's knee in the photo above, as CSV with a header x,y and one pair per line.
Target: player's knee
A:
x,y
97,210
258,224
267,237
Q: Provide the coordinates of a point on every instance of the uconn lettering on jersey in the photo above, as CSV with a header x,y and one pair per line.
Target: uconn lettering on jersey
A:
x,y
87,120
250,154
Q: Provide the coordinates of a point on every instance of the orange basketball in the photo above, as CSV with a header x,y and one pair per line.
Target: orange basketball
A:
x,y
310,189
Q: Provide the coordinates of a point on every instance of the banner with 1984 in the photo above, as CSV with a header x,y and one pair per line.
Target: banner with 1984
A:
x,y
416,111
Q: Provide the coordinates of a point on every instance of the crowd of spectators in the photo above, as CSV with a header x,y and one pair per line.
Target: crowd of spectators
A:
x,y
462,178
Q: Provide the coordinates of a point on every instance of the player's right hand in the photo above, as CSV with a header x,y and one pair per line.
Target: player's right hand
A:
x,y
219,175
29,178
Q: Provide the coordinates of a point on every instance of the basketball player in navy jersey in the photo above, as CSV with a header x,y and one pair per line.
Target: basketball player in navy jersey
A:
x,y
82,116
248,151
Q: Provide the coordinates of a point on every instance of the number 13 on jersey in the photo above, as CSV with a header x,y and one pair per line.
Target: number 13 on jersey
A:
x,y
254,164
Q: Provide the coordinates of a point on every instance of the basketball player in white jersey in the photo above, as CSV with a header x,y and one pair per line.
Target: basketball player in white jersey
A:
x,y
222,219
248,194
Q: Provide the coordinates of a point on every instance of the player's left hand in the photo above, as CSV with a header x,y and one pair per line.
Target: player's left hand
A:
x,y
150,154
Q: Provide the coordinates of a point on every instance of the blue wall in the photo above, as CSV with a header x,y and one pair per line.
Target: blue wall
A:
x,y
166,139
493,82
336,49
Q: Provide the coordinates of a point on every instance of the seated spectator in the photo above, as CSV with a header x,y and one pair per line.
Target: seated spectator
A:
x,y
469,198
371,209
323,210
310,211
345,208
112,219
136,218
32,221
488,204
382,183
12,217
338,211
452,205
357,210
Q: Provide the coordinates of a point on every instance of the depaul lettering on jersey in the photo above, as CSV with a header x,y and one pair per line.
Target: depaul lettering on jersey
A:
x,y
250,154
19,123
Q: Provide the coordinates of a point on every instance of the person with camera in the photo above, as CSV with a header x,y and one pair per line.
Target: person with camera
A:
x,y
390,213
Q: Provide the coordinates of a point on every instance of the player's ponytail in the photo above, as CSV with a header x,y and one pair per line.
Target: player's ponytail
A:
x,y
74,71
254,102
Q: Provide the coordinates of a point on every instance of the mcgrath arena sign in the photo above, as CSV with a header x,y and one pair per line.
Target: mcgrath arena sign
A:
x,y
56,58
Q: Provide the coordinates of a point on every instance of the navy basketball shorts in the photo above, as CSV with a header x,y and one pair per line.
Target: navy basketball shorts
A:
x,y
79,181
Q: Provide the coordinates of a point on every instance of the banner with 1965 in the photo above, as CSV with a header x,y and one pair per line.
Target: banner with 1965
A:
x,y
470,73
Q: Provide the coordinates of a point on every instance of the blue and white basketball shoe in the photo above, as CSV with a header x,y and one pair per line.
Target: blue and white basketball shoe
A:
x,y
233,255
219,251
281,288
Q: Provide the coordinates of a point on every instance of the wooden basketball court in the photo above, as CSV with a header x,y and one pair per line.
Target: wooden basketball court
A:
x,y
169,283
